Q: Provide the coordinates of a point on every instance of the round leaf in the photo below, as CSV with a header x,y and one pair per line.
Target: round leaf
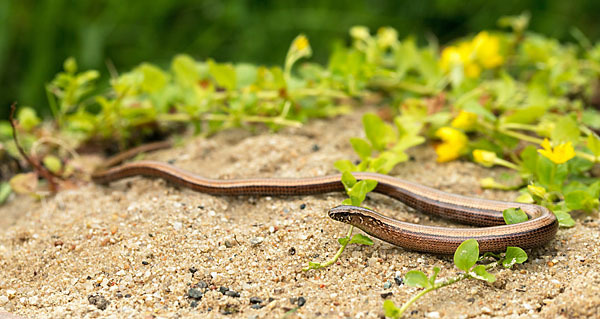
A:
x,y
466,254
416,278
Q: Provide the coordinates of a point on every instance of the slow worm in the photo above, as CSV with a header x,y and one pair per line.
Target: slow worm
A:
x,y
538,230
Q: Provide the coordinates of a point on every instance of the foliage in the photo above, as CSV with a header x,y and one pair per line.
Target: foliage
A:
x,y
466,257
357,192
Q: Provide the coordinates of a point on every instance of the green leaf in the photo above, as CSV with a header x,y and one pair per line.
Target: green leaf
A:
x,y
5,190
564,219
27,118
388,160
347,201
593,143
529,158
480,273
370,184
466,254
185,70
361,240
581,199
246,74
358,192
348,180
514,255
566,130
52,163
343,240
224,74
514,216
345,166
526,115
551,175
379,133
416,278
361,147
70,65
154,78
390,309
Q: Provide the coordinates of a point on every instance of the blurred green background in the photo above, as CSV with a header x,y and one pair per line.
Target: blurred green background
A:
x,y
37,35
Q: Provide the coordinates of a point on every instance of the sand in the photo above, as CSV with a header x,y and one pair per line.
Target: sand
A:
x,y
144,248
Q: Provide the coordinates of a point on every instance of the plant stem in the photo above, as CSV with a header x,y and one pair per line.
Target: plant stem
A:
x,y
442,284
338,254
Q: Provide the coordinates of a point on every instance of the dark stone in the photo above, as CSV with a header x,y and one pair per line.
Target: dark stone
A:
x,y
195,293
386,295
99,301
399,281
301,301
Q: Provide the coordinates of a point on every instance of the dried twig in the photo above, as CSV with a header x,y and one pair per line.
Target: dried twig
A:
x,y
35,164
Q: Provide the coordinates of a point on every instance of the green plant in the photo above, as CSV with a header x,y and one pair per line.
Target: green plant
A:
x,y
357,192
465,259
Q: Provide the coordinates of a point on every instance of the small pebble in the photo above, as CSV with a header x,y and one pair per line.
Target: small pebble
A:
x,y
386,295
292,251
399,281
193,269
433,314
301,301
99,301
302,206
195,293
202,284
3,299
387,285
223,290
232,293
194,304
255,300
256,306
145,262
315,147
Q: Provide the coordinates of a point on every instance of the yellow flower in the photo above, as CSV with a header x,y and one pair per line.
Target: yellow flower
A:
x,y
464,120
454,143
301,43
487,48
560,154
481,52
485,158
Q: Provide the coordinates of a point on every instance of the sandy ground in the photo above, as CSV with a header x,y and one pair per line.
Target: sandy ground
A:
x,y
144,248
